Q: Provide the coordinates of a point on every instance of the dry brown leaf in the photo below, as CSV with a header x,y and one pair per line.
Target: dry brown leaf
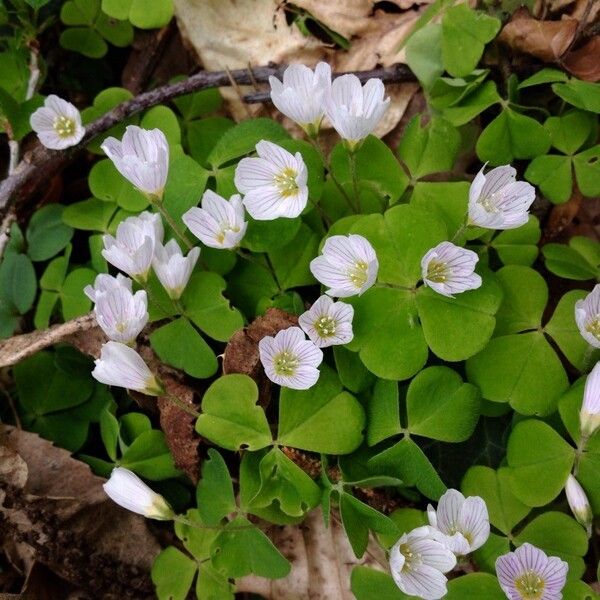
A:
x,y
237,33
546,40
63,519
584,63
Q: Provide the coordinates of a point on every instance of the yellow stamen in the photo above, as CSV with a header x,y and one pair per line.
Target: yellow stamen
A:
x,y
286,182
64,126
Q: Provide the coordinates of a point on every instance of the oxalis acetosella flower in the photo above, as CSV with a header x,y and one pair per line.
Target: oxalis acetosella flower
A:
x,y
579,503
348,265
290,360
122,366
120,313
328,323
498,201
418,561
353,109
172,268
132,249
217,223
274,184
127,490
142,157
301,94
463,522
449,269
589,415
57,124
529,574
587,316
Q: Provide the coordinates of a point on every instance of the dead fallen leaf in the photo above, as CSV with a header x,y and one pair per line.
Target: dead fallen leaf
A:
x,y
584,63
546,40
61,518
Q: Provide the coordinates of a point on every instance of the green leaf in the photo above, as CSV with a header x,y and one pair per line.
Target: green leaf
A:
x,y
118,9
580,260
89,215
248,283
505,510
206,306
508,369
74,302
118,33
109,432
441,406
230,416
308,418
79,12
173,573
203,134
518,246
266,236
284,482
18,283
424,54
570,131
163,118
197,104
178,344
443,319
472,105
475,585
587,171
464,35
84,40
358,518
150,457
241,549
543,76
552,174
242,139
581,94
367,584
564,331
429,149
539,460
486,556
215,490
352,373
512,135
150,16
46,234
558,535
186,182
384,412
107,184
406,461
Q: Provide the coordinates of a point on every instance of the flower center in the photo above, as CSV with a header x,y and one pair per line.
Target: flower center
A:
x,y
121,327
411,559
325,326
358,273
489,203
285,363
64,126
223,231
286,182
530,586
594,327
437,271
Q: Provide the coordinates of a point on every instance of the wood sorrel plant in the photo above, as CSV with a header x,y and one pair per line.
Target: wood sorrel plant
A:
x,y
424,384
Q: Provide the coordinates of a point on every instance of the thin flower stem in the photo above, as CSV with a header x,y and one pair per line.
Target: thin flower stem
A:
x,y
180,404
354,175
158,203
267,265
396,287
459,232
153,300
189,523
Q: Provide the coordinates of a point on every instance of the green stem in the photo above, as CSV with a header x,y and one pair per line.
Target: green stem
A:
x,y
158,203
354,175
267,265
180,404
459,232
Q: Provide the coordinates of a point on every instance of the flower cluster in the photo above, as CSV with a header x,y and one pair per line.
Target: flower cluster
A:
x,y
420,559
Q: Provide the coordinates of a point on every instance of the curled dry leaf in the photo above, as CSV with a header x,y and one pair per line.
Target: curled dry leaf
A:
x,y
546,40
237,33
584,63
59,516
322,561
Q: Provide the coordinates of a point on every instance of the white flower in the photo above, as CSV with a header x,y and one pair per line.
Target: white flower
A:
x,y
355,110
57,123
328,323
142,157
129,491
418,562
218,223
464,522
497,201
106,283
133,248
587,315
120,313
289,359
589,415
274,184
448,269
528,574
348,265
122,366
172,268
579,503
301,95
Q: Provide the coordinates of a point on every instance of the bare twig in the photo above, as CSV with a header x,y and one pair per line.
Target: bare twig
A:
x,y
35,168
